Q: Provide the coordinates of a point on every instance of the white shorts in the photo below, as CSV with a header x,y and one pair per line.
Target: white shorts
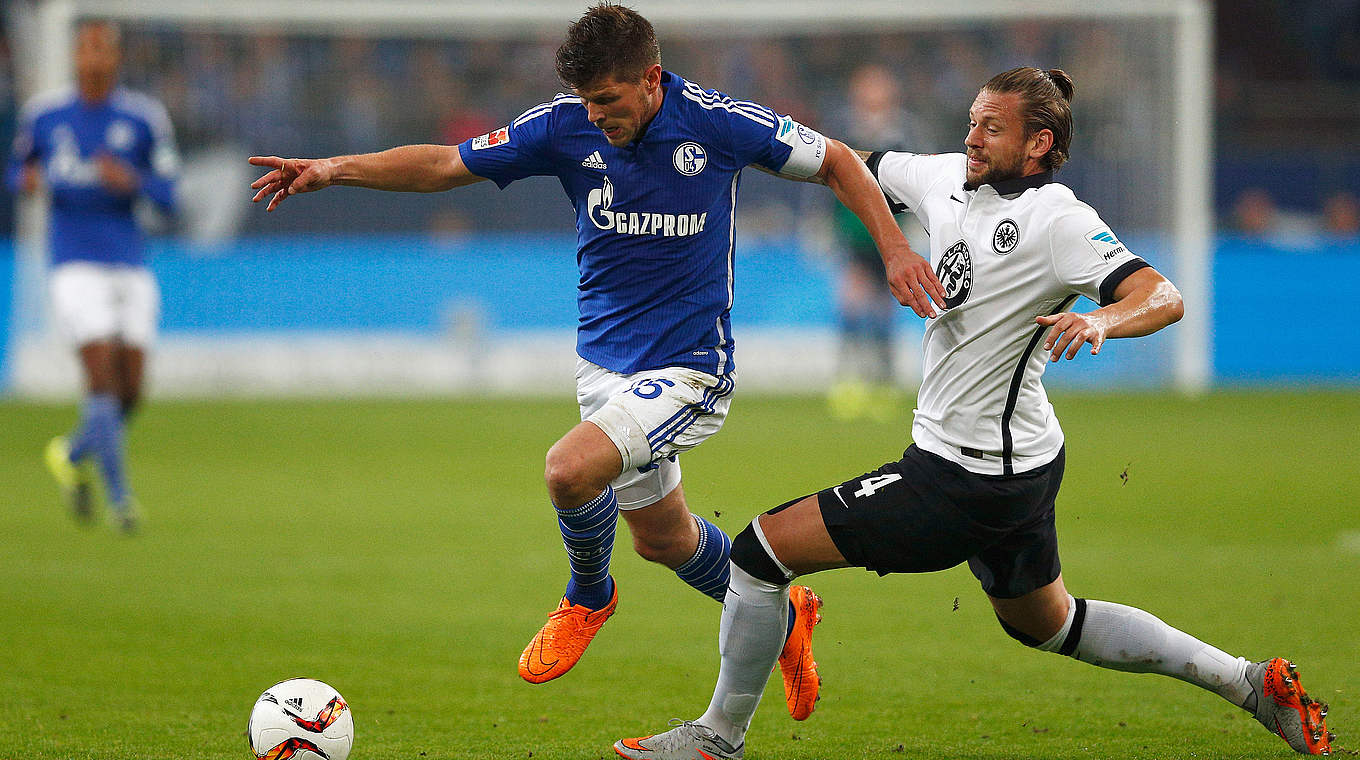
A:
x,y
96,302
651,417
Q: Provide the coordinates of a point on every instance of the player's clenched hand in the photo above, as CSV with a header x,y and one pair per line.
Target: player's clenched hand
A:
x,y
1070,332
913,283
289,176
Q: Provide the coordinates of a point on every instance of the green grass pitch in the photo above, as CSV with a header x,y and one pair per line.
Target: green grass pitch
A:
x,y
404,552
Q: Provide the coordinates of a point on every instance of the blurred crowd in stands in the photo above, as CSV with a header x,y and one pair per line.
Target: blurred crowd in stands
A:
x,y
290,94
300,94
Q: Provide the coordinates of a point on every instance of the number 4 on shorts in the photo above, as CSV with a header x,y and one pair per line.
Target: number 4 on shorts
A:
x,y
868,486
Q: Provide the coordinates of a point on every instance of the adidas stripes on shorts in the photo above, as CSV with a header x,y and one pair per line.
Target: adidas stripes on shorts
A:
x,y
651,417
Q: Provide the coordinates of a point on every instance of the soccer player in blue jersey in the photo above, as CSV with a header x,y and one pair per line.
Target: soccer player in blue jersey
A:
x,y
652,164
97,149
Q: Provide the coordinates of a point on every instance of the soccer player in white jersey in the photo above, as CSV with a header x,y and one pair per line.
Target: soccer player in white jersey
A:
x,y
652,165
1013,249
96,149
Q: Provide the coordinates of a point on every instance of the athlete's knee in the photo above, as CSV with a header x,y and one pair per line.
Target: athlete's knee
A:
x,y
1034,618
1017,634
128,402
749,554
566,475
557,471
100,383
96,359
576,469
1060,634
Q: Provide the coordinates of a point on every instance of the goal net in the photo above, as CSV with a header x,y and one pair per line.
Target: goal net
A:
x,y
360,291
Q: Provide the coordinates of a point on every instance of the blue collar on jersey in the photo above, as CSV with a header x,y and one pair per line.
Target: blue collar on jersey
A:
x,y
669,82
1016,185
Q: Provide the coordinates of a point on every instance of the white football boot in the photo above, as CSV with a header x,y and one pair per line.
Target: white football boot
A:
x,y
1286,709
687,741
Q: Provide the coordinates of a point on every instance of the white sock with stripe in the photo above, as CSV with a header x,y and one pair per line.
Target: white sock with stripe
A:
x,y
1120,637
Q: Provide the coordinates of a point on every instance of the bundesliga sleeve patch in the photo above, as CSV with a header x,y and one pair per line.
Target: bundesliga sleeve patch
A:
x,y
1104,243
492,139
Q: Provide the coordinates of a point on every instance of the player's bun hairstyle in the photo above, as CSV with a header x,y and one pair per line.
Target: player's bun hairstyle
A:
x,y
609,41
1046,102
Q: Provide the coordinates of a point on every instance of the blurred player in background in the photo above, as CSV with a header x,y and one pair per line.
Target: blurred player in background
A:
x,y
1014,250
867,309
98,149
651,163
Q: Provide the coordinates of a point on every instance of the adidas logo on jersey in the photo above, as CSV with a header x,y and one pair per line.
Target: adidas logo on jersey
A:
x,y
595,161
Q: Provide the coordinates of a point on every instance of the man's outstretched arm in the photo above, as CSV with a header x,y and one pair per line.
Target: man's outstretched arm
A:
x,y
410,168
910,277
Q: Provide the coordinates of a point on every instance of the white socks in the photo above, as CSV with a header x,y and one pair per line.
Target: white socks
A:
x,y
1108,635
754,624
1125,638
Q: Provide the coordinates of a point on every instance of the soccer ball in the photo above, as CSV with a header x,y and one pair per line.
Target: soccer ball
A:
x,y
301,719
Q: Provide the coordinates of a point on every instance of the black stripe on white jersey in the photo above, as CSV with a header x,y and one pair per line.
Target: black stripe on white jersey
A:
x,y
1007,447
872,162
1113,279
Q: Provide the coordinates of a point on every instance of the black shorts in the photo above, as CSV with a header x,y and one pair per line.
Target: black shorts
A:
x,y
926,513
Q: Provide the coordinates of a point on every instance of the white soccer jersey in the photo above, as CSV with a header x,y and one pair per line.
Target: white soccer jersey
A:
x,y
1005,254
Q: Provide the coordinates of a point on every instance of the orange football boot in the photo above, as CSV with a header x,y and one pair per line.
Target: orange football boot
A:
x,y
801,681
562,640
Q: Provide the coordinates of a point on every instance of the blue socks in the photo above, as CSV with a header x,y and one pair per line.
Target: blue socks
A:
x,y
588,534
100,434
708,569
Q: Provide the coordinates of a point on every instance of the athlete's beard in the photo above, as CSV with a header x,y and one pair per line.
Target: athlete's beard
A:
x,y
997,173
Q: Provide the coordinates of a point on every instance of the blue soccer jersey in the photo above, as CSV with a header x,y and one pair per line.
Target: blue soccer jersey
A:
x,y
655,222
66,136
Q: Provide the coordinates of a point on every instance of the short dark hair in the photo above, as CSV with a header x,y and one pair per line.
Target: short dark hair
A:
x,y
1045,103
609,41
